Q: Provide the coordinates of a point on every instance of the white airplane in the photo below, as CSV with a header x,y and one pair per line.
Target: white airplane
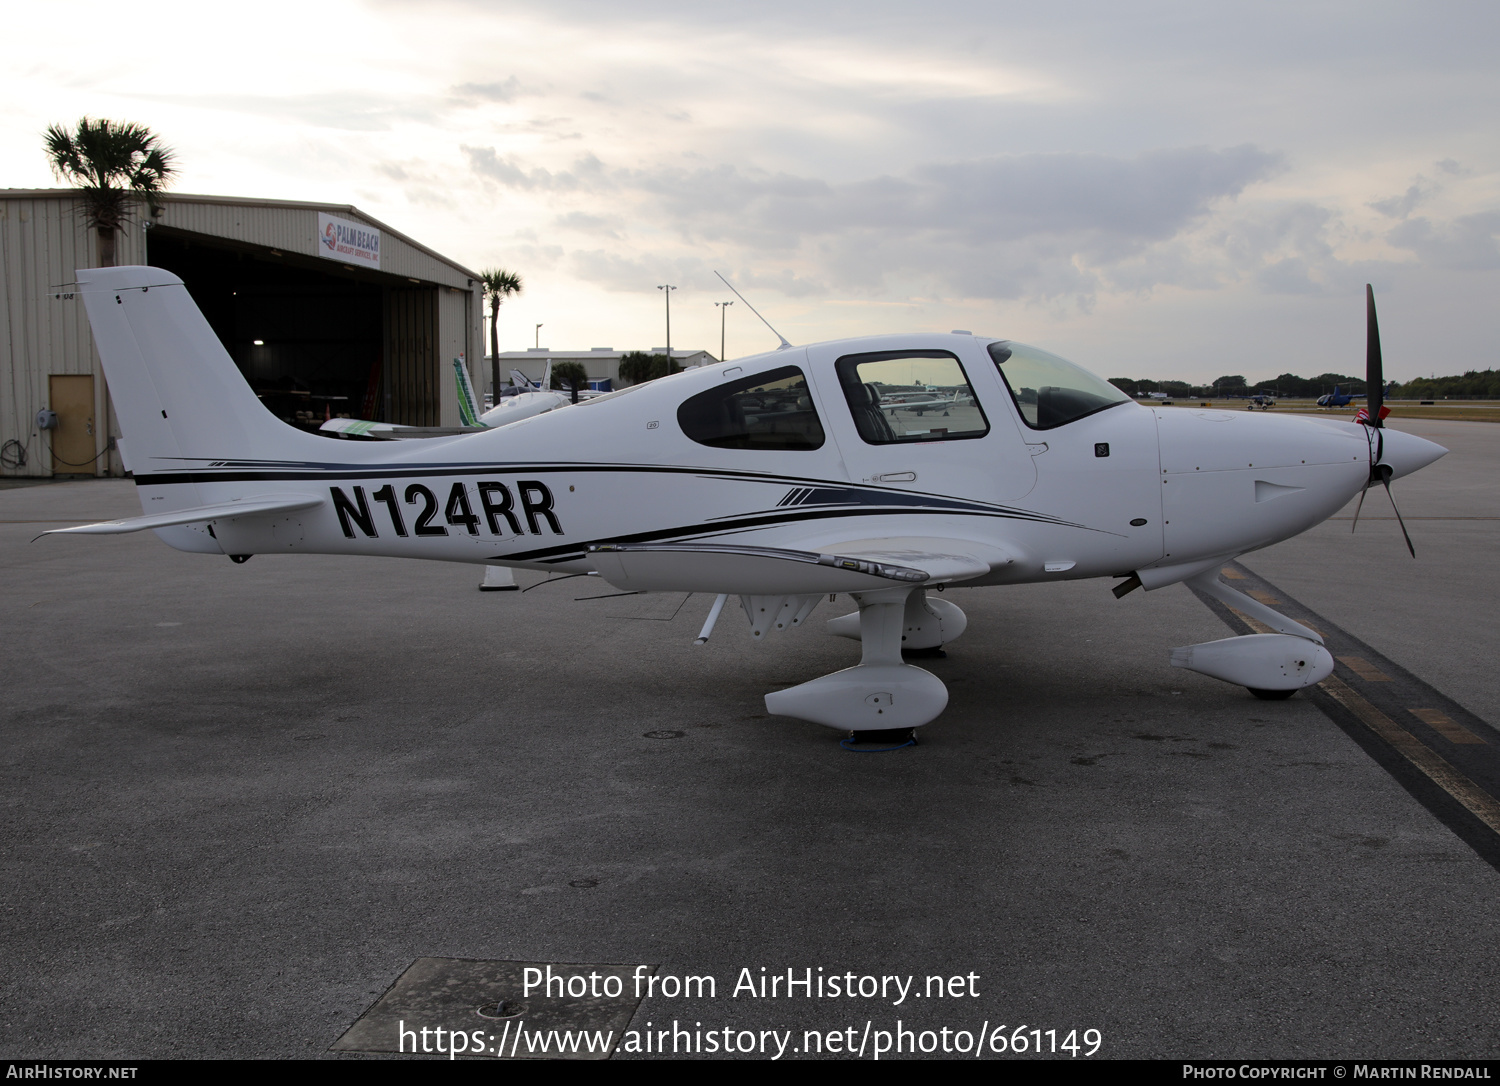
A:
x,y
536,400
915,401
770,478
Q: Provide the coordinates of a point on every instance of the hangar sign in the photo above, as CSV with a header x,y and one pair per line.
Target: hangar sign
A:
x,y
349,242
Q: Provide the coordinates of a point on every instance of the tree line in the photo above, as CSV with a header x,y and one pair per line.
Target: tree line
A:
x,y
1473,384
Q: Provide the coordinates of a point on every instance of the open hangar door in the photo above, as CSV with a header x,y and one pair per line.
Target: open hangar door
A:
x,y
313,339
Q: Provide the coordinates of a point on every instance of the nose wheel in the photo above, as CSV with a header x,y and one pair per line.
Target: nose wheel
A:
x,y
879,741
1271,695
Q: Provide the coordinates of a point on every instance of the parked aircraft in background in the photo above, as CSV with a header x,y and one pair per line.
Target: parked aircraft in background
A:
x,y
1336,398
918,402
536,399
1343,399
777,479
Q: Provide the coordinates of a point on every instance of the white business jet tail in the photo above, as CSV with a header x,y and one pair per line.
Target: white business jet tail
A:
x,y
179,396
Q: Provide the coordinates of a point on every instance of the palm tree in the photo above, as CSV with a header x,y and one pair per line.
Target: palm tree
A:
x,y
570,375
110,162
499,285
638,366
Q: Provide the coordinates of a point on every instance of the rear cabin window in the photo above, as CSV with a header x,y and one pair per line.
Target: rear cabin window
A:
x,y
772,410
898,396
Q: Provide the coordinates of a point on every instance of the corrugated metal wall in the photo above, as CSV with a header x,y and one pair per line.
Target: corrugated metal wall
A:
x,y
411,363
43,241
454,341
44,238
293,228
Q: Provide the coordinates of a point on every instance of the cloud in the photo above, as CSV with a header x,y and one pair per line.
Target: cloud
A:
x,y
419,184
631,272
588,173
1285,248
1117,202
1400,207
342,111
995,227
1467,243
584,223
507,91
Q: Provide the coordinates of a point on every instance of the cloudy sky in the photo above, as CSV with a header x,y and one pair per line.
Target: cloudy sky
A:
x,y
1152,189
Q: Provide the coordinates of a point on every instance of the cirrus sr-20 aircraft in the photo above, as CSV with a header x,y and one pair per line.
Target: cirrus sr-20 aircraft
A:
x,y
778,479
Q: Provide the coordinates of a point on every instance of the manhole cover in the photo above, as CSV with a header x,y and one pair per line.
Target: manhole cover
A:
x,y
664,734
506,1010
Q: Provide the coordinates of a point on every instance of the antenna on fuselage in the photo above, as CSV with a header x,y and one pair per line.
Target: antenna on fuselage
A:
x,y
785,346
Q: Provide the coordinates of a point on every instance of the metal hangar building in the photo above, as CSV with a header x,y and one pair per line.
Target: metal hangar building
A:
x,y
325,310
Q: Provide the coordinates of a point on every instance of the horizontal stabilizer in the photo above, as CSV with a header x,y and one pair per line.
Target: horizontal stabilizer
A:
x,y
243,507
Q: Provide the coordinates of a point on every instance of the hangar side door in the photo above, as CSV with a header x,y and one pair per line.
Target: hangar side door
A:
x,y
411,381
73,445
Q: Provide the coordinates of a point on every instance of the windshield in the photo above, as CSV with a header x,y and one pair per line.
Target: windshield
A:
x,y
1051,391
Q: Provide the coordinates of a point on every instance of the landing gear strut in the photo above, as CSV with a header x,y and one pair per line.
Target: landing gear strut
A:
x,y
882,692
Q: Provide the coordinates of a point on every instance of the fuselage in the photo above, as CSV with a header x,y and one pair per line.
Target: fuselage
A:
x,y
1122,488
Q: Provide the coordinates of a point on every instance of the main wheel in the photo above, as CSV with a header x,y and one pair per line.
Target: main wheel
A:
x,y
1271,695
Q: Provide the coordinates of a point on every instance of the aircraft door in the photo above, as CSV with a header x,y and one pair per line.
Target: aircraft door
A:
x,y
923,419
1098,459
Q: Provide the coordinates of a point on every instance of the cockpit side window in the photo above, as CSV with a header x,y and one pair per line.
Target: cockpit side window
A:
x,y
899,396
1051,391
771,410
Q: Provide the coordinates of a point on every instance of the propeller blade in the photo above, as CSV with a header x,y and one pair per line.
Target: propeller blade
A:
x,y
1374,395
1363,490
1374,368
1385,477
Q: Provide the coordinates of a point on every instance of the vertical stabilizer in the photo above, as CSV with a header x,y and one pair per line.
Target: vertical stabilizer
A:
x,y
468,405
179,396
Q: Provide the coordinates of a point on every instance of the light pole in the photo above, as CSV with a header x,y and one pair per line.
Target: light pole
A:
x,y
538,343
723,310
667,289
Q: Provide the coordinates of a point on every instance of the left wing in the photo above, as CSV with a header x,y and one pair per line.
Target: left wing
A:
x,y
860,565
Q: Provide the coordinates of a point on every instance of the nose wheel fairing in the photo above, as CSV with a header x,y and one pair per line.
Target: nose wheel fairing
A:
x,y
1286,658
